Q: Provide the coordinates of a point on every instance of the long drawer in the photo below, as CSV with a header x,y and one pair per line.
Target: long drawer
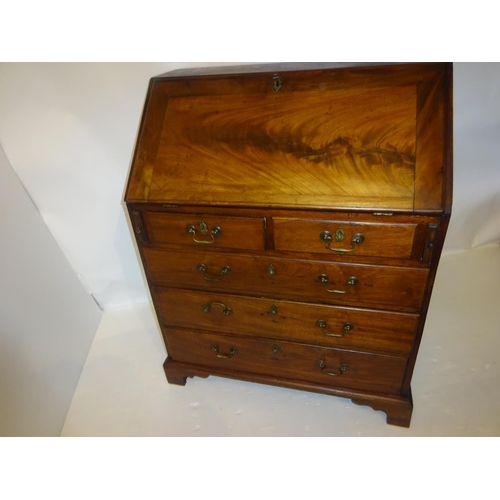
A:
x,y
396,288
326,366
291,321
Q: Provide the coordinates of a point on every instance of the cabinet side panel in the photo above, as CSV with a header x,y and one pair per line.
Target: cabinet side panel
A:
x,y
141,172
438,246
431,144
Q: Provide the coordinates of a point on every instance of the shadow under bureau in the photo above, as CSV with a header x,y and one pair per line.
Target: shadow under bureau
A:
x,y
290,222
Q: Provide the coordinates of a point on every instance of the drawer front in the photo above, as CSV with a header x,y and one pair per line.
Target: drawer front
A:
x,y
350,284
344,237
290,321
332,367
207,231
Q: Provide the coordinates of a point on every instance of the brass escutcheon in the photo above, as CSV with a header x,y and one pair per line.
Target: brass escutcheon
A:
x,y
277,83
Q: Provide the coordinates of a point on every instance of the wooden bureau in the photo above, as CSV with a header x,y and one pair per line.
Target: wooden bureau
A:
x,y
290,222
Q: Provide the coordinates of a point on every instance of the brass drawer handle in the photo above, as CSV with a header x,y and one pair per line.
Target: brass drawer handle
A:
x,y
216,231
326,236
352,281
346,327
232,352
225,310
342,368
224,270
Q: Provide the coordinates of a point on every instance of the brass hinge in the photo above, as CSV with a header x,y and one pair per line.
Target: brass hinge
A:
x,y
430,242
138,225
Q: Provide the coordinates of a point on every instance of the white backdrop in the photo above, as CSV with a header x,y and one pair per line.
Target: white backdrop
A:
x,y
69,130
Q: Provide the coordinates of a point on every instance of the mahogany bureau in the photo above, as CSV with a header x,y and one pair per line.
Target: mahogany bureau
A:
x,y
290,222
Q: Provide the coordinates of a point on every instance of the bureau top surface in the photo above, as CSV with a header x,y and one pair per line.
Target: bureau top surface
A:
x,y
361,137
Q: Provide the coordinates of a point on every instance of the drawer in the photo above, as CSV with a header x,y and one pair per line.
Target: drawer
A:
x,y
326,366
344,237
205,231
359,285
285,320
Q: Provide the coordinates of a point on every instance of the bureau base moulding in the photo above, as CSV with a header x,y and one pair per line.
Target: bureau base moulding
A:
x,y
397,409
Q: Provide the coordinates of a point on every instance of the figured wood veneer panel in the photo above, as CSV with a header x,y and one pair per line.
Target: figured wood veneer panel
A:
x,y
348,147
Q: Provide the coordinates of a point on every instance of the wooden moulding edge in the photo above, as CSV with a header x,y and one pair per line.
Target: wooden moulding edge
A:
x,y
398,409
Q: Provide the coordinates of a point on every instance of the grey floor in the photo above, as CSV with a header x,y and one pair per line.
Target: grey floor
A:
x,y
456,384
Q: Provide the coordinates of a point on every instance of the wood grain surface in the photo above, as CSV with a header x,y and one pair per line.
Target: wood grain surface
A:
x,y
350,147
378,373
382,240
395,288
235,179
292,321
235,232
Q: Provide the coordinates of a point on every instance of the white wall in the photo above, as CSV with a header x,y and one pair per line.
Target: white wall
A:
x,y
476,210
69,131
47,318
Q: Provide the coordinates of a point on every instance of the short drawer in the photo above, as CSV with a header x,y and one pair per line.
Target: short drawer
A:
x,y
358,285
321,365
344,237
285,320
205,231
